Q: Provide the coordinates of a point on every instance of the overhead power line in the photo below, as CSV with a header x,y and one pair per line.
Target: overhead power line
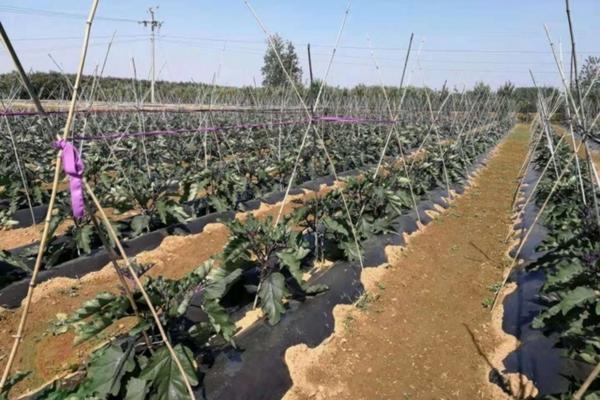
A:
x,y
366,48
59,14
61,38
257,51
52,13
76,47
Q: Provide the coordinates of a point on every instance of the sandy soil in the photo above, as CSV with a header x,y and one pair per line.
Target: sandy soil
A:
x,y
422,332
13,238
49,356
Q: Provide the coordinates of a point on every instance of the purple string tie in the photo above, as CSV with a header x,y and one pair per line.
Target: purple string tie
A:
x,y
73,166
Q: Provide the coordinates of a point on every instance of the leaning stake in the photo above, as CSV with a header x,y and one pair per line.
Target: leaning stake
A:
x,y
44,238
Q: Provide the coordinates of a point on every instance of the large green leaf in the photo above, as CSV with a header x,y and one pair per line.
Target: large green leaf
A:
x,y
219,280
140,223
107,368
219,319
15,261
292,259
136,389
271,294
93,306
83,238
164,376
334,226
576,297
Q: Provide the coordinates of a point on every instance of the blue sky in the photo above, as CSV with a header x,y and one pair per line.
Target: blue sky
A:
x,y
462,41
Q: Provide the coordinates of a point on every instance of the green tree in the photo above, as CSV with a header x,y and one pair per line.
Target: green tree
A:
x,y
481,90
273,74
506,90
589,76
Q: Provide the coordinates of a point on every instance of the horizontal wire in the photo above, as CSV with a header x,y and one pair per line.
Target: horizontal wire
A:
x,y
52,13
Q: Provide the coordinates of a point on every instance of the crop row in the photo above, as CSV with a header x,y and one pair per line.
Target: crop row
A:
x,y
266,260
570,260
156,182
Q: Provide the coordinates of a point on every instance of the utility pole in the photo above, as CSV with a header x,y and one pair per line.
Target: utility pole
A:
x,y
310,65
24,79
154,27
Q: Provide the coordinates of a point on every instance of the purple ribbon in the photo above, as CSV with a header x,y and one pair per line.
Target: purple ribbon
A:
x,y
73,166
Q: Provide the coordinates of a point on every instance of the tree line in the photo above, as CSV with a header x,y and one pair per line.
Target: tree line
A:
x,y
274,90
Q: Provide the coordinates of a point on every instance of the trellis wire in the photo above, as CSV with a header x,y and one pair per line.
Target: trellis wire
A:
x,y
209,129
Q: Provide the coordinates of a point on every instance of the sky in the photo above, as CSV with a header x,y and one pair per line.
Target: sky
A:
x,y
458,41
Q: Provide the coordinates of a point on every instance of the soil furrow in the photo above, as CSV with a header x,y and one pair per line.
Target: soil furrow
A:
x,y
423,331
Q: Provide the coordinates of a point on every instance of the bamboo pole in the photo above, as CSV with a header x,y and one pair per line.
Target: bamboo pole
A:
x,y
545,121
393,129
112,234
309,114
387,100
22,74
44,239
439,143
530,197
537,217
119,273
586,384
583,120
568,96
21,172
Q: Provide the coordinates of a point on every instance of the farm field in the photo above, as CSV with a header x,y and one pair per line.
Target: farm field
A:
x,y
461,255
342,229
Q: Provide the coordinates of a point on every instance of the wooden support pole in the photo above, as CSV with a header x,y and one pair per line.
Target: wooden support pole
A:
x,y
310,64
24,79
124,284
586,385
113,235
46,231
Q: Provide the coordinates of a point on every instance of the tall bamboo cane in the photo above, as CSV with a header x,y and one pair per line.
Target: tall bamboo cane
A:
x,y
57,167
113,235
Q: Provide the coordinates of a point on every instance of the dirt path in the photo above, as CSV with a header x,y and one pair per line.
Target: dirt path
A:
x,y
420,331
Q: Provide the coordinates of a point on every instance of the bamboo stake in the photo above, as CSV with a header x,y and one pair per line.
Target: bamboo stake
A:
x,y
21,172
520,179
545,121
163,334
393,129
530,197
309,114
387,100
124,284
439,144
583,121
586,384
568,96
537,217
44,239
574,62
22,74
428,133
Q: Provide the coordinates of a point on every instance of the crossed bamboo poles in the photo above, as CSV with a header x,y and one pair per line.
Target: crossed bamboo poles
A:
x,y
112,234
575,109
108,226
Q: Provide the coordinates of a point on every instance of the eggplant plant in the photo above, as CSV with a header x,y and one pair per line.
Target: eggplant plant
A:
x,y
571,264
215,189
156,200
277,253
126,367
